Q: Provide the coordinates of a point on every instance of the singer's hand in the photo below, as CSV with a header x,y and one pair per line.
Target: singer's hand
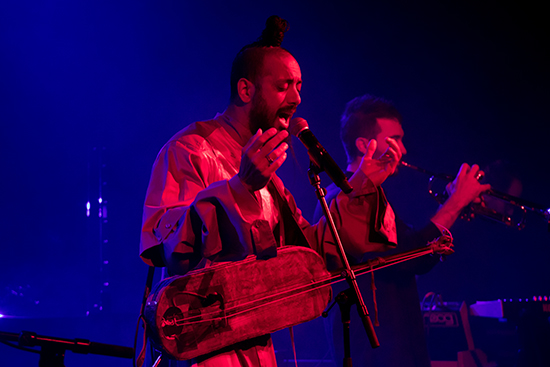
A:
x,y
377,170
262,155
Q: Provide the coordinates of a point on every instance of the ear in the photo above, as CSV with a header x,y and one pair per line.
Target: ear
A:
x,y
246,90
361,144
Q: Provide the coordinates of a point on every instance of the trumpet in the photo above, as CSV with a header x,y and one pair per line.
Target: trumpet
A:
x,y
475,209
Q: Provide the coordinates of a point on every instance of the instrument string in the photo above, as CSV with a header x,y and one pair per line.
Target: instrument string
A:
x,y
377,264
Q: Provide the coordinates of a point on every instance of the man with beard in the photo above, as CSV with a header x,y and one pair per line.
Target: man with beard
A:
x,y
401,331
214,196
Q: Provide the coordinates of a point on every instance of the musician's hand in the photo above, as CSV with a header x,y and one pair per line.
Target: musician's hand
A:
x,y
466,187
262,155
377,170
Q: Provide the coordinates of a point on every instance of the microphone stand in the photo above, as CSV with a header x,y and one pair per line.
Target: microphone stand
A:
x,y
313,173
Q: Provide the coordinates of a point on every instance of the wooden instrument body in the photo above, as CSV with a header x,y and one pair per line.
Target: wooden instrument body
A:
x,y
209,309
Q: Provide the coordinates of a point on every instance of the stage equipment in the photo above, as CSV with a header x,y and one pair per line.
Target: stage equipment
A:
x,y
52,350
318,155
481,210
527,329
449,334
320,161
212,308
512,308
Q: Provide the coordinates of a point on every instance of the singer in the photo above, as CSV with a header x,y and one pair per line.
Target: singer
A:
x,y
214,195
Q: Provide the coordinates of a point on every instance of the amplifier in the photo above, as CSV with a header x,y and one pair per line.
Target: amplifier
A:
x,y
445,330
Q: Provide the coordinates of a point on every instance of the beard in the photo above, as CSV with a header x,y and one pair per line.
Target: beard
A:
x,y
259,115
261,118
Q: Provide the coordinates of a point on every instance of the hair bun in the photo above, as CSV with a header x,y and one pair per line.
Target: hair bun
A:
x,y
274,32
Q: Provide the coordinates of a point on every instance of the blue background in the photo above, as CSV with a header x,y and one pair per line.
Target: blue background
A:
x,y
97,86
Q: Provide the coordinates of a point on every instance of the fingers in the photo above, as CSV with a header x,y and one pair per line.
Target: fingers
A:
x,y
390,159
276,157
259,139
466,185
274,142
485,187
277,162
252,140
391,156
265,153
262,155
371,148
481,189
464,169
394,148
475,172
267,141
266,146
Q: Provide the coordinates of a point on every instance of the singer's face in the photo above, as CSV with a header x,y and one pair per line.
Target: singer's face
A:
x,y
277,93
388,128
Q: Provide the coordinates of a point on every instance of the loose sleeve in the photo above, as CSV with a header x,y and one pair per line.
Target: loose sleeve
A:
x,y
363,218
411,239
193,205
407,237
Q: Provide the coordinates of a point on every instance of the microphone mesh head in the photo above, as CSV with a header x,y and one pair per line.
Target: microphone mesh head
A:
x,y
297,125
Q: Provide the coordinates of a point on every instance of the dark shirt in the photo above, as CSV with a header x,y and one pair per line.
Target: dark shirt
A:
x,y
401,330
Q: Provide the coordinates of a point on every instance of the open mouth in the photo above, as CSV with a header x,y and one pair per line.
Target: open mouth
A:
x,y
284,118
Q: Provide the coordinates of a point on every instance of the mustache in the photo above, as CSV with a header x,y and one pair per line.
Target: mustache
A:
x,y
286,110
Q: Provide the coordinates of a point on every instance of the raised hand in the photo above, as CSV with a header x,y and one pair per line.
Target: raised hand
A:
x,y
465,188
377,170
262,155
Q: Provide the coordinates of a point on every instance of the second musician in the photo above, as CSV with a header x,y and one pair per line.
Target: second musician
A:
x,y
367,121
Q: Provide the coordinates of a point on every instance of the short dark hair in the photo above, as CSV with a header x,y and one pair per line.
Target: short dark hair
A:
x,y
250,59
359,120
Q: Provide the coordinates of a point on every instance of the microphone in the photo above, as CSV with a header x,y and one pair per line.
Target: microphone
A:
x,y
318,154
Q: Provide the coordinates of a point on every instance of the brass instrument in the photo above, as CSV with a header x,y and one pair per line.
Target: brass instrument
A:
x,y
474,209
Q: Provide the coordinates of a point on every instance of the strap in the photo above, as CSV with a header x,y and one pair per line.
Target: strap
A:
x,y
287,214
373,287
148,286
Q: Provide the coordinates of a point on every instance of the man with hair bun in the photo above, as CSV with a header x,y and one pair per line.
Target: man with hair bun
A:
x,y
214,195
